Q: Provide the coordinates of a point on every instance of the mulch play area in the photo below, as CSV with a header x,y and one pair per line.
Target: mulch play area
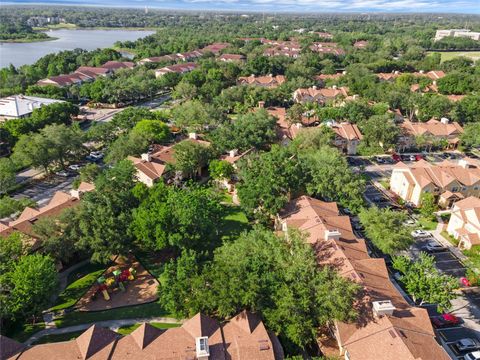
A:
x,y
123,284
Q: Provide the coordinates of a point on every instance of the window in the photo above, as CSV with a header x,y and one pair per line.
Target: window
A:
x,y
454,189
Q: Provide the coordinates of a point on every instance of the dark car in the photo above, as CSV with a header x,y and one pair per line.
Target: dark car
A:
x,y
467,344
444,320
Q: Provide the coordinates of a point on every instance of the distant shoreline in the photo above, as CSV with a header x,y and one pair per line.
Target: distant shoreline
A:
x,y
20,41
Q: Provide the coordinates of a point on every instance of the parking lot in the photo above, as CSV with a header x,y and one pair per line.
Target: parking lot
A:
x,y
450,336
445,261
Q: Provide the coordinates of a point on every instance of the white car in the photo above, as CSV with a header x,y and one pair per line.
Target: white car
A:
x,y
420,233
473,356
74,167
433,246
412,158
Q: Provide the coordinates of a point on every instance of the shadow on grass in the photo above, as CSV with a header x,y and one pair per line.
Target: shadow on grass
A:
x,y
234,222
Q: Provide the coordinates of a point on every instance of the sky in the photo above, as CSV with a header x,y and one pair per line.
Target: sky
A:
x,y
412,6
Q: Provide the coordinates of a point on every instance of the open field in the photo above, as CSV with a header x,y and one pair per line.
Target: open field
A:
x,y
474,55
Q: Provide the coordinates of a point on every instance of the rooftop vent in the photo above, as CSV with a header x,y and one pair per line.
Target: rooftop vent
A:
x,y
233,152
444,120
332,235
192,136
201,347
146,157
384,307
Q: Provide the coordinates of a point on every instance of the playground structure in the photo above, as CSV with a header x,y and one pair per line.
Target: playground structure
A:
x,y
118,280
124,283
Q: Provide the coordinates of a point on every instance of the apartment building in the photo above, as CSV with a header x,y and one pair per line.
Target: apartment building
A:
x,y
201,338
440,34
387,326
314,94
432,130
448,181
268,81
464,223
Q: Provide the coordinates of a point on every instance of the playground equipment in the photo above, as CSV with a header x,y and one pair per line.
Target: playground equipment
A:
x,y
119,279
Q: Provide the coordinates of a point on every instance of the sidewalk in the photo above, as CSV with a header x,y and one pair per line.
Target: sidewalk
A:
x,y
62,281
437,234
112,324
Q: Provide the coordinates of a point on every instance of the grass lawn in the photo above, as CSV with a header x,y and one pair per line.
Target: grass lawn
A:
x,y
427,224
474,55
58,337
141,311
79,282
127,329
23,331
234,222
450,238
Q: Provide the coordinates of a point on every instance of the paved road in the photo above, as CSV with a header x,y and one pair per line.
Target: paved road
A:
x,y
42,191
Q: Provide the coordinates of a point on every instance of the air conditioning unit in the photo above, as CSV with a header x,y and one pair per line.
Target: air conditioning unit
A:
x,y
201,346
383,307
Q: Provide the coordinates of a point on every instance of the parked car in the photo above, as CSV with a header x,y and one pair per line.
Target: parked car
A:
x,y
75,167
473,356
396,157
418,157
445,320
412,157
420,233
63,173
347,211
433,246
467,344
95,156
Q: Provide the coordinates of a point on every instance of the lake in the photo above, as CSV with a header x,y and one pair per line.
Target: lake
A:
x,y
27,53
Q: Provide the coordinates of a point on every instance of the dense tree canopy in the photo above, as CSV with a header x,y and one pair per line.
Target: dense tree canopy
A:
x,y
262,272
386,229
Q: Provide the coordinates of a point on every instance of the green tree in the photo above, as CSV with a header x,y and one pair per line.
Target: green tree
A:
x,y
379,132
386,230
428,206
174,217
328,176
266,273
192,114
185,91
424,283
131,144
313,138
295,114
66,143
7,175
58,235
105,213
471,136
190,157
267,181
250,130
34,150
32,281
154,131
220,169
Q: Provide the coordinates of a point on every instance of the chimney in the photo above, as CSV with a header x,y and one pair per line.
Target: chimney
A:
x,y
383,307
332,235
233,152
261,104
314,87
147,157
434,82
444,120
269,75
464,164
334,87
192,136
396,72
344,72
201,347
422,71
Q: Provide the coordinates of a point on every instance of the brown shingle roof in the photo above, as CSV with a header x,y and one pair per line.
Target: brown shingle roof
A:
x,y
95,339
